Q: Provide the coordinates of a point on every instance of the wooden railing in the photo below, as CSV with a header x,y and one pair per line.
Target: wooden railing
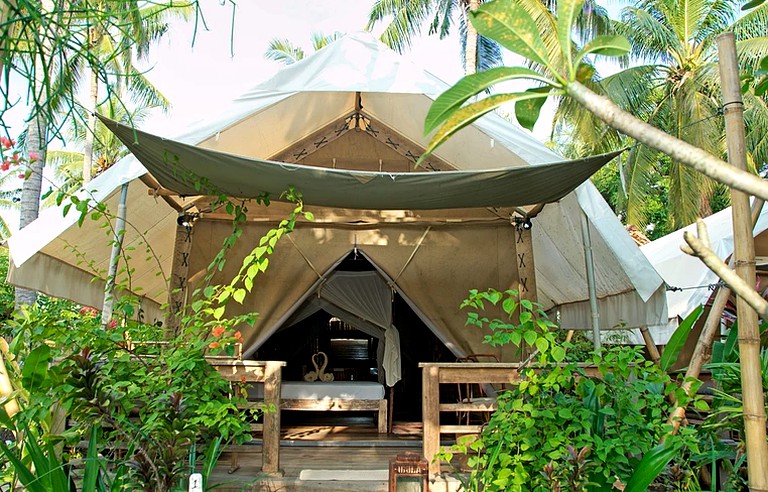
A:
x,y
269,373
436,373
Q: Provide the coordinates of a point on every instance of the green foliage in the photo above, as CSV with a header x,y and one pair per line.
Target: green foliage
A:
x,y
526,325
561,428
678,339
152,392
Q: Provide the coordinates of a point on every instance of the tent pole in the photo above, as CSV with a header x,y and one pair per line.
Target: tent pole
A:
x,y
117,244
590,262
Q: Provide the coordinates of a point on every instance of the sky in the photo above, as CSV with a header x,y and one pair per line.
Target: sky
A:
x,y
200,77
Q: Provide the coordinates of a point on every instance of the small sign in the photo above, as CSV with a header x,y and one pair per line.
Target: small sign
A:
x,y
196,482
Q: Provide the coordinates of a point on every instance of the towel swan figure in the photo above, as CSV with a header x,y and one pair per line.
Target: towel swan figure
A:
x,y
319,373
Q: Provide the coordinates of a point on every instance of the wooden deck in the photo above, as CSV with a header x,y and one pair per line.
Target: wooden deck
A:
x,y
332,458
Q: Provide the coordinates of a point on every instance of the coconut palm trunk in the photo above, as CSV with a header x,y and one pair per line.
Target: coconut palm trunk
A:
x,y
37,138
470,56
90,132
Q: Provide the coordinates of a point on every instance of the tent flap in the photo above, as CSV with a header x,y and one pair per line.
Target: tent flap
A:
x,y
189,170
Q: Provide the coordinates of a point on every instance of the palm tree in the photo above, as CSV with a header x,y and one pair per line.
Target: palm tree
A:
x,y
409,16
129,29
287,53
477,52
677,90
107,149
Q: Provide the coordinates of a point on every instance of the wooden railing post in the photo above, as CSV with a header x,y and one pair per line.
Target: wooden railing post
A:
x,y
271,433
430,391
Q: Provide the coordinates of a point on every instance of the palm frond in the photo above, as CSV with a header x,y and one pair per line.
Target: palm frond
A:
x,y
284,51
407,18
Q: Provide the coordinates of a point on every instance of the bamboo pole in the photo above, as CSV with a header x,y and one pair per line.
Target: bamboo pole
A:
x,y
653,351
703,348
590,265
744,261
117,245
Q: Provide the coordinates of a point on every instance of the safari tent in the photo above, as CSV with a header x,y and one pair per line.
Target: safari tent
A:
x,y
690,282
344,127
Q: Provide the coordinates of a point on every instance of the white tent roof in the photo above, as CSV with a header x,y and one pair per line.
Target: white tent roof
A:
x,y
310,95
682,271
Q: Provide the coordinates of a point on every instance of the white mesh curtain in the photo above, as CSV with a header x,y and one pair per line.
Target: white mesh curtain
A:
x,y
367,296
363,300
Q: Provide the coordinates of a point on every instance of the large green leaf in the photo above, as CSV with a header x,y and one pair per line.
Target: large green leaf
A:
x,y
35,368
650,466
605,46
92,464
467,114
527,111
678,338
471,85
567,10
24,474
511,26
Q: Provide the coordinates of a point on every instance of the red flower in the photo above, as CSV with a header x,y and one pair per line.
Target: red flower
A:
x,y
6,165
33,157
239,337
88,311
213,345
22,176
6,142
112,324
218,331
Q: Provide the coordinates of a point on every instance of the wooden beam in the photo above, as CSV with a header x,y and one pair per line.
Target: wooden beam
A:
x,y
430,410
179,274
316,140
402,145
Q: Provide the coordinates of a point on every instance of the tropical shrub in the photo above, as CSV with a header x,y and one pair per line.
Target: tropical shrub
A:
x,y
151,392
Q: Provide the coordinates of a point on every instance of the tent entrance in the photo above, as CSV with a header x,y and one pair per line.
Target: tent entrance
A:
x,y
354,345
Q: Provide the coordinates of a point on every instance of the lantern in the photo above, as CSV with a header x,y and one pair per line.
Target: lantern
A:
x,y
408,472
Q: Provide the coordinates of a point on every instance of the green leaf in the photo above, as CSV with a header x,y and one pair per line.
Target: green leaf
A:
x,y
650,466
558,353
218,312
762,87
24,474
567,11
35,369
677,341
605,46
752,4
92,468
530,337
527,110
452,99
239,296
466,115
512,27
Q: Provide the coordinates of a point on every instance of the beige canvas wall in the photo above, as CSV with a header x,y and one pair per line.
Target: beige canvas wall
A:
x,y
448,261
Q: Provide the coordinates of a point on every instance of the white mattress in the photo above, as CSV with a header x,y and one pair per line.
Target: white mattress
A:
x,y
342,390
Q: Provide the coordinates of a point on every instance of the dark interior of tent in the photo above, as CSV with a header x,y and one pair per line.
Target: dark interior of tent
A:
x,y
352,355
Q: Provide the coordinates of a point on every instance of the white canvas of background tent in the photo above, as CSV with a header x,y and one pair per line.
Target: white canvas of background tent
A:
x,y
302,99
690,282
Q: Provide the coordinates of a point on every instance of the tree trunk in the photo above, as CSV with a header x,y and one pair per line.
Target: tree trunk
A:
x,y
93,99
37,141
470,47
753,402
677,149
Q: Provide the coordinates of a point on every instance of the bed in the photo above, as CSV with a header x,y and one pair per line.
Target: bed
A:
x,y
334,396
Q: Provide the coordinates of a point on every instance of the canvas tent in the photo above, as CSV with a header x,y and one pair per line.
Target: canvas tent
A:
x,y
359,107
690,281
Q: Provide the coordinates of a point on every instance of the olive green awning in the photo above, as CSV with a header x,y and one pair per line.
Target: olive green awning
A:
x,y
188,170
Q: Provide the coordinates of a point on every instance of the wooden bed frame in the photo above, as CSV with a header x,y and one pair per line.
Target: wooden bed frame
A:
x,y
342,405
